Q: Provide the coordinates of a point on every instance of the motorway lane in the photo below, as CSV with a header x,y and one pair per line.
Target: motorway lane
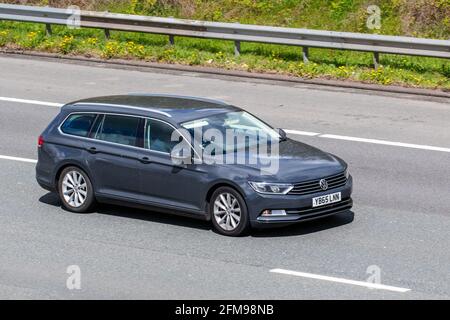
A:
x,y
341,112
127,253
400,221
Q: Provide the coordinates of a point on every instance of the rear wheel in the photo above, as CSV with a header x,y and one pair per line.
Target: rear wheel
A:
x,y
75,190
229,212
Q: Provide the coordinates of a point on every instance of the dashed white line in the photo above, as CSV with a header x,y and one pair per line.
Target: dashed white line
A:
x,y
290,131
36,102
340,280
302,133
366,140
385,142
18,159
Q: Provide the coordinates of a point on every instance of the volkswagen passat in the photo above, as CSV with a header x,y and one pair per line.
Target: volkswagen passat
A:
x,y
121,149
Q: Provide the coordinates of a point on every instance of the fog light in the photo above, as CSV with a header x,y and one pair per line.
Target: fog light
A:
x,y
273,213
266,213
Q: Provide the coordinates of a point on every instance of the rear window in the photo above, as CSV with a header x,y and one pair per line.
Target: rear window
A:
x,y
78,124
119,129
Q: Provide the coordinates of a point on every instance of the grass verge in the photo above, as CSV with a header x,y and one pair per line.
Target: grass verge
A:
x,y
261,58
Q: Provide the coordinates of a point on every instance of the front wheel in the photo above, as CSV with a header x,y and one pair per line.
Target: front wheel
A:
x,y
229,212
75,190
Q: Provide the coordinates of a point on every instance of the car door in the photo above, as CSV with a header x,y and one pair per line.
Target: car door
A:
x,y
112,156
164,182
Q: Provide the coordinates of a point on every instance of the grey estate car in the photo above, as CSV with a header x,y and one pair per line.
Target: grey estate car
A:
x,y
119,149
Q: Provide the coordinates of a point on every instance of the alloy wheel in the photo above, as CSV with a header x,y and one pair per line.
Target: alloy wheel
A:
x,y
74,189
227,211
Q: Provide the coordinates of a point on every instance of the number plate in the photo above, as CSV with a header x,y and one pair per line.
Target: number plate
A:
x,y
327,199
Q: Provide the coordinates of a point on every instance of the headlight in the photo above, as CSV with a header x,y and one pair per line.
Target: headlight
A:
x,y
347,174
271,188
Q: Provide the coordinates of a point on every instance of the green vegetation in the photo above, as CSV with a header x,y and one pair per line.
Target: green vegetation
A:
x,y
424,18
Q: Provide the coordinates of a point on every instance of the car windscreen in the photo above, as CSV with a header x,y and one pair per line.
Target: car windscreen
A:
x,y
229,131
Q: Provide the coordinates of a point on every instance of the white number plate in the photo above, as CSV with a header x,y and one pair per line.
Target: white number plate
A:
x,y
327,199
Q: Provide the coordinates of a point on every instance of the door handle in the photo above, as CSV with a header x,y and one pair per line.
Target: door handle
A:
x,y
145,160
92,150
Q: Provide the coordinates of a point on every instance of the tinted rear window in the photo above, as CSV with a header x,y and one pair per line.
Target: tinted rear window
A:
x,y
78,124
119,129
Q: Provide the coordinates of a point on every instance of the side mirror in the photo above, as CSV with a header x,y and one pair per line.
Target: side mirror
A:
x,y
282,134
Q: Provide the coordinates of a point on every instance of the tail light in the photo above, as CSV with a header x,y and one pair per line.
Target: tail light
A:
x,y
40,141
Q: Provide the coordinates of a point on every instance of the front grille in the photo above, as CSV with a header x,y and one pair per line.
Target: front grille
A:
x,y
313,186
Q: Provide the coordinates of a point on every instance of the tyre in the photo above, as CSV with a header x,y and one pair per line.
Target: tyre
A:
x,y
229,212
75,190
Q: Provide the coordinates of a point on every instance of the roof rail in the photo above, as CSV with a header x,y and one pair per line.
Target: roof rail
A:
x,y
121,106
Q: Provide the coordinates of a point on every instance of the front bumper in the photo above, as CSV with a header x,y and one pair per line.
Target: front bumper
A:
x,y
308,214
298,208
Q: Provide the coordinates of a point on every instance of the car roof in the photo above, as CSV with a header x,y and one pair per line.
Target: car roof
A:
x,y
173,108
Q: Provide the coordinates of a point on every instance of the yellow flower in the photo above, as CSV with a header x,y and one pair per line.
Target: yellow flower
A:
x,y
92,41
31,35
66,43
111,49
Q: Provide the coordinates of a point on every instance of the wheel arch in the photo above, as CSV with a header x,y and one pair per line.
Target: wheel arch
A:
x,y
244,226
218,184
65,165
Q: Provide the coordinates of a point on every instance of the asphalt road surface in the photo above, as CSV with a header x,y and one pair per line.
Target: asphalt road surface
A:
x,y
399,226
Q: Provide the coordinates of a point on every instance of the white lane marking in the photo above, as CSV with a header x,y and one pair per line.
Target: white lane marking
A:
x,y
36,102
18,159
385,142
302,133
340,280
297,132
366,140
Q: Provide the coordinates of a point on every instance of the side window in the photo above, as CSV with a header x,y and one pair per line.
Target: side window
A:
x,y
158,136
118,129
78,124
